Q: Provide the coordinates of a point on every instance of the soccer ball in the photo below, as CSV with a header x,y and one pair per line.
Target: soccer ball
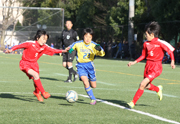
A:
x,y
71,96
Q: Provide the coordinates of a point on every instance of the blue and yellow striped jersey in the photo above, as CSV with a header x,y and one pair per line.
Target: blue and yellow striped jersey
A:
x,y
86,52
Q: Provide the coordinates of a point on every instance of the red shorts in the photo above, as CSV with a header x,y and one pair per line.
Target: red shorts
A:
x,y
25,66
152,70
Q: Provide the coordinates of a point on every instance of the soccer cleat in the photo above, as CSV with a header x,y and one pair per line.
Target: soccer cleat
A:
x,y
46,95
93,102
39,97
75,77
131,105
68,81
160,95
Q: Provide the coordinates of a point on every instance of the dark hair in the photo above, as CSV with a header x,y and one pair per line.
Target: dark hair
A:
x,y
39,33
153,27
88,30
68,20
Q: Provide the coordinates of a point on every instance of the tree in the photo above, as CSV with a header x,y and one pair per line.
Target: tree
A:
x,y
10,17
167,14
118,16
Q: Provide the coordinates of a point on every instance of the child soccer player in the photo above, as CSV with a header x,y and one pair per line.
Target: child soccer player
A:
x,y
86,52
153,51
33,50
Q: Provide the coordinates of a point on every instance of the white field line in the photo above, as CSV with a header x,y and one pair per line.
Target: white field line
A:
x,y
105,83
96,81
167,95
61,74
115,105
133,110
163,94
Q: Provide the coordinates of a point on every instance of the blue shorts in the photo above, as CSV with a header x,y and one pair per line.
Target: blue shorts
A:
x,y
86,69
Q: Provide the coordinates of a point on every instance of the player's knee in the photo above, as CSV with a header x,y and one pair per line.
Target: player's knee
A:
x,y
142,86
93,86
64,65
36,76
69,64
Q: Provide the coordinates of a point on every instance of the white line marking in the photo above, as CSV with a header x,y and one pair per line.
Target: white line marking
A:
x,y
96,81
61,74
163,94
133,110
167,95
112,104
105,83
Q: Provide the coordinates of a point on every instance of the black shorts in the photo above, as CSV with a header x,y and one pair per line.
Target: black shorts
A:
x,y
67,57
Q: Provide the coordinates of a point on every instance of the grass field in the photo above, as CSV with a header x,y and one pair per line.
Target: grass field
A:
x,y
116,85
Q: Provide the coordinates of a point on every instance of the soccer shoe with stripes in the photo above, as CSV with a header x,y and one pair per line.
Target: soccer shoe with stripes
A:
x,y
46,95
160,95
131,105
93,102
39,97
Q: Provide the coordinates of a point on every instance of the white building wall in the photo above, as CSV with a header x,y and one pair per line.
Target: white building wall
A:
x,y
15,11
16,15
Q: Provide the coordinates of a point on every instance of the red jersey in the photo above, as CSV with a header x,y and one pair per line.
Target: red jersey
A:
x,y
154,50
33,51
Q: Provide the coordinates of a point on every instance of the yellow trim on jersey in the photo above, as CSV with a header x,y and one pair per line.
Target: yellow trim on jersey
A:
x,y
86,52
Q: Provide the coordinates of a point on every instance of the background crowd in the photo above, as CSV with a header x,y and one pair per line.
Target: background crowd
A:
x,y
121,50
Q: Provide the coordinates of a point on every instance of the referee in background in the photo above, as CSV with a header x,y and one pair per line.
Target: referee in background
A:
x,y
68,37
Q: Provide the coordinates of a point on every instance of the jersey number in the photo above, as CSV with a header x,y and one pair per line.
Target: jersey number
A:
x,y
86,55
36,54
151,53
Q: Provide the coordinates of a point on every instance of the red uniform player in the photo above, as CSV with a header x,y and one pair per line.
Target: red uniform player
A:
x,y
153,51
33,50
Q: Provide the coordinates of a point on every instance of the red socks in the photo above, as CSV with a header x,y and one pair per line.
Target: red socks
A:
x,y
137,95
38,85
140,92
154,88
36,89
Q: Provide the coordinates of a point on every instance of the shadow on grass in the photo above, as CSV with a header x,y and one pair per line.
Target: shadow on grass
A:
x,y
58,97
18,97
52,79
68,104
81,101
144,105
121,103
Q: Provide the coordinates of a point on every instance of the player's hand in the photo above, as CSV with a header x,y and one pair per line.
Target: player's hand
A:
x,y
66,50
131,63
70,50
8,51
173,65
98,47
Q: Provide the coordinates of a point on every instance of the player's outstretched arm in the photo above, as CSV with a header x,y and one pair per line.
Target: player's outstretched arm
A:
x,y
172,59
131,63
66,50
172,64
8,51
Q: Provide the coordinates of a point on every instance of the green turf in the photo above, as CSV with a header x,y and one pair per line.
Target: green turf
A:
x,y
116,83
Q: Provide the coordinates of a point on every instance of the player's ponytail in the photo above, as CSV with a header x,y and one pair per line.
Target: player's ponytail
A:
x,y
39,33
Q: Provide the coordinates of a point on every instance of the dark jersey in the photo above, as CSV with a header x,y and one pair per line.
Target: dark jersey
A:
x,y
68,37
